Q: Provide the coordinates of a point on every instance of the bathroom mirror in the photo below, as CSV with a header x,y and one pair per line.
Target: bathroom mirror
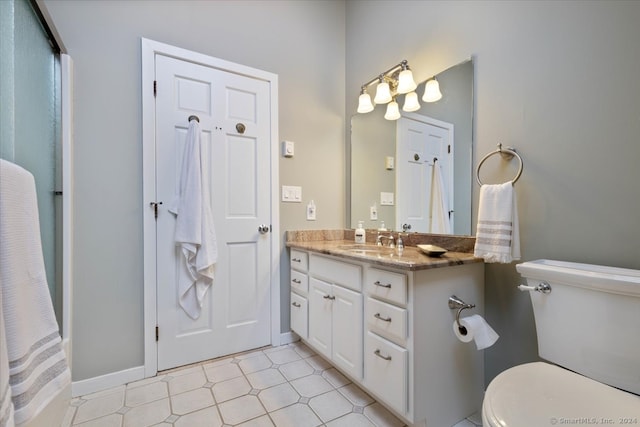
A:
x,y
375,157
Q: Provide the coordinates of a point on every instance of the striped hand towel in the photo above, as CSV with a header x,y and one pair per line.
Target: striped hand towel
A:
x,y
497,233
37,366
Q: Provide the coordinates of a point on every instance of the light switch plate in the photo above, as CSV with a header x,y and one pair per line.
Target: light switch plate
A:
x,y
386,199
291,194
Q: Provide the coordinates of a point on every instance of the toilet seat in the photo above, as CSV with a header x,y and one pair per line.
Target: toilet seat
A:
x,y
540,394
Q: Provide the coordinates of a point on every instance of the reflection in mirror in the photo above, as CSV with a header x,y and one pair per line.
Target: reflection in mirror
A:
x,y
392,162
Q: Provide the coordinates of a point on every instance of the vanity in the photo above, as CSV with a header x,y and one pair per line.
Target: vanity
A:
x,y
381,317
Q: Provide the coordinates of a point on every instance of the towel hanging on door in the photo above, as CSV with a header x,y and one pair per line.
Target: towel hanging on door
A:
x,y
195,232
439,203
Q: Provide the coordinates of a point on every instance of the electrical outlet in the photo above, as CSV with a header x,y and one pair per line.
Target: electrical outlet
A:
x,y
373,213
311,211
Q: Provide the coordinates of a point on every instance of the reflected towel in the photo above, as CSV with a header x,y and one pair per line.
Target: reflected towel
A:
x,y
195,233
497,233
37,364
439,203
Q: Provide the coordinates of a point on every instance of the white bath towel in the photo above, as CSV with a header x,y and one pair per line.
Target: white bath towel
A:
x,y
439,203
6,405
195,233
497,233
38,368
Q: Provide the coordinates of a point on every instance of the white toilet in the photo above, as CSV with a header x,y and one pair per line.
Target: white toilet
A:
x,y
588,327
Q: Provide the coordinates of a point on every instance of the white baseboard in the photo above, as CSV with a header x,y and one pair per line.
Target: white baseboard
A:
x,y
288,338
114,379
103,382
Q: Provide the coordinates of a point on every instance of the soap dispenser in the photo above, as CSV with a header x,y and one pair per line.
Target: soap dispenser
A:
x,y
361,236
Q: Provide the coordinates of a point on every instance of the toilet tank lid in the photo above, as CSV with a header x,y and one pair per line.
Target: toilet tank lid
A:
x,y
616,280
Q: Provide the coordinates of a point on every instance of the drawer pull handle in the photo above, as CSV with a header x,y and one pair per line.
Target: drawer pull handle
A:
x,y
295,304
296,260
377,283
296,281
329,297
377,316
377,353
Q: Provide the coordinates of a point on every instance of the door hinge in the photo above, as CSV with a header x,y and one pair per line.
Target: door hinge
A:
x,y
449,149
157,333
155,88
154,205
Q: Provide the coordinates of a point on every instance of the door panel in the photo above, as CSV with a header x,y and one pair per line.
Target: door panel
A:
x,y
236,311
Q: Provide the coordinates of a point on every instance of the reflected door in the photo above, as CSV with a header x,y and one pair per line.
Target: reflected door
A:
x,y
419,141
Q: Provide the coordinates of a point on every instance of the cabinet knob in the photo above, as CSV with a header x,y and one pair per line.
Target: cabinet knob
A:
x,y
295,304
296,281
329,297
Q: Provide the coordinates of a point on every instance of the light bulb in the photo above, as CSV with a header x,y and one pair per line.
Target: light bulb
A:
x,y
393,112
432,91
411,102
406,83
364,103
383,93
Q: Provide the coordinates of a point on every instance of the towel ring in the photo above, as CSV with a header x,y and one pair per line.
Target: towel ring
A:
x,y
196,118
507,154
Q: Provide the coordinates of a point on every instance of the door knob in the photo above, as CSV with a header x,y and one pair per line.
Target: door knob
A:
x,y
264,229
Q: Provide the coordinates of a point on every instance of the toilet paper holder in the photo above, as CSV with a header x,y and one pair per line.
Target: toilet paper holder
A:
x,y
456,303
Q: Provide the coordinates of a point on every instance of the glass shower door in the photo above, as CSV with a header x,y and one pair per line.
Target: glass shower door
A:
x,y
30,120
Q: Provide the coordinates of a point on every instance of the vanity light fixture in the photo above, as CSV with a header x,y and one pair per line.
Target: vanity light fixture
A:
x,y
397,80
432,90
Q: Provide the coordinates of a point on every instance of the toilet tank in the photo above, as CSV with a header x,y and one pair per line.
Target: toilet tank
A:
x,y
590,321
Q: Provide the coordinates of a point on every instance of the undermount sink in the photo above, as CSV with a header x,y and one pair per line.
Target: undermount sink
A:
x,y
367,249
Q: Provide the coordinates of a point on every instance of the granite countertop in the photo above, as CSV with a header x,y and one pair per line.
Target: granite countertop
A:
x,y
340,243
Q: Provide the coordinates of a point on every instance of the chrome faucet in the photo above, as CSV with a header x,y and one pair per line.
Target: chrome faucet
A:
x,y
390,238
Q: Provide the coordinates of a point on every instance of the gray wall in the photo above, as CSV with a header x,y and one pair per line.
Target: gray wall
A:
x,y
557,80
302,42
554,79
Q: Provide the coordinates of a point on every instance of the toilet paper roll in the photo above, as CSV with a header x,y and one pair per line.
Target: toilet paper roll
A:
x,y
477,329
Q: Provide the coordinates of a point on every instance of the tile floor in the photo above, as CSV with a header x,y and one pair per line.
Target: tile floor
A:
x,y
274,386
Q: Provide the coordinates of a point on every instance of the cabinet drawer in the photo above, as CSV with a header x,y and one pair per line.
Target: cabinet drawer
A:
x,y
338,272
299,281
386,371
387,285
299,315
299,260
386,319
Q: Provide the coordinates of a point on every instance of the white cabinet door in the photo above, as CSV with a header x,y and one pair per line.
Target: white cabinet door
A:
x,y
299,315
320,314
347,330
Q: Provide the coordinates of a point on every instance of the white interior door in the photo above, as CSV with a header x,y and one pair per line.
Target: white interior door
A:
x,y
234,113
420,139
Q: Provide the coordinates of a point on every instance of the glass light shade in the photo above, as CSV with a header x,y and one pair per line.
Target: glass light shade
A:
x,y
411,102
383,93
432,91
364,103
393,112
406,83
